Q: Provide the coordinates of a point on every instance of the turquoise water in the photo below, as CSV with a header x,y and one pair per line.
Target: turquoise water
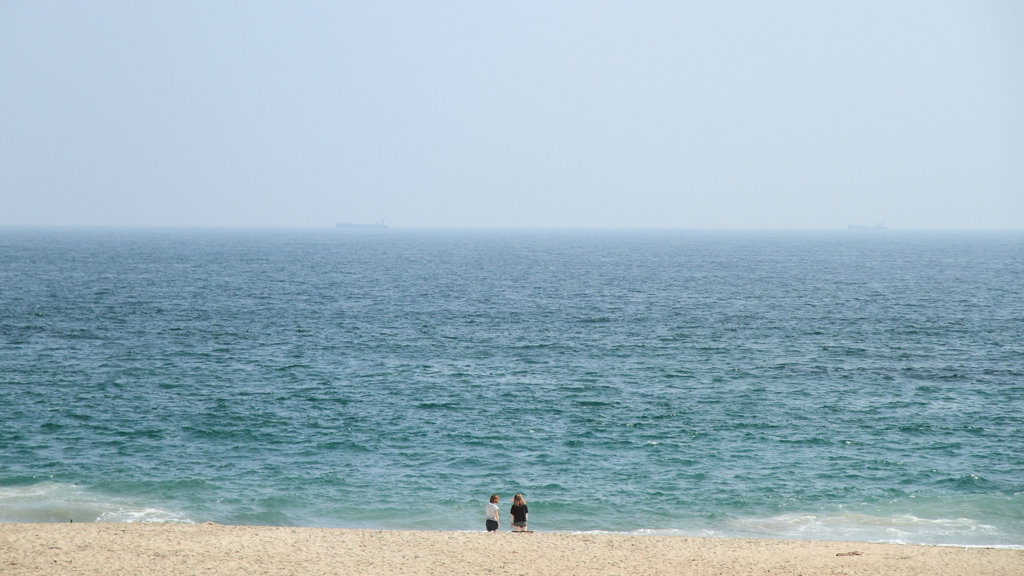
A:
x,y
864,386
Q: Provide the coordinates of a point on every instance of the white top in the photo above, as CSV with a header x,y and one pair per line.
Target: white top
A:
x,y
491,511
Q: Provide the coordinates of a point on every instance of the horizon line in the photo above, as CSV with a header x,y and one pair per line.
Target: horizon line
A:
x,y
508,228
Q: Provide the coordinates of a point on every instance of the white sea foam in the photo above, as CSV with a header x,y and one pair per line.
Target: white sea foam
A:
x,y
695,533
57,502
854,527
903,529
896,529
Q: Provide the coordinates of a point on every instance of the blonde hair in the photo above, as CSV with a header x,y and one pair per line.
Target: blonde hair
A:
x,y
494,498
518,500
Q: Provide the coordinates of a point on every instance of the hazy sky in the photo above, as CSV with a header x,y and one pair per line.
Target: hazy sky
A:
x,y
568,114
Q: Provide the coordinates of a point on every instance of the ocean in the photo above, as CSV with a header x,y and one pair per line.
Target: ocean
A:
x,y
841,385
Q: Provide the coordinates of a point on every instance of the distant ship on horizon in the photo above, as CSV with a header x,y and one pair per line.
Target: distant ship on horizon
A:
x,y
378,224
879,226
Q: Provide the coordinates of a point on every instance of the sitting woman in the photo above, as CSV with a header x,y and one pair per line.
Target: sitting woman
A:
x,y
519,512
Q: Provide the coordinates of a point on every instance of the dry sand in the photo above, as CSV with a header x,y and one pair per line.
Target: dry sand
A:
x,y
141,549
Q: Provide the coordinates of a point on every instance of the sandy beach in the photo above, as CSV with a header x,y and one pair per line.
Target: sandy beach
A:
x,y
141,549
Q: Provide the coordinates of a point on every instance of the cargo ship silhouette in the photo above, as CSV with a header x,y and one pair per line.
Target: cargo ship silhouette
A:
x,y
378,224
879,226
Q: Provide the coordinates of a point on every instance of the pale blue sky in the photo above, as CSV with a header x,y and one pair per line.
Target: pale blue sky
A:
x,y
575,114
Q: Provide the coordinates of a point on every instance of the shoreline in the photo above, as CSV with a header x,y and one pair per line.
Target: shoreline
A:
x,y
150,548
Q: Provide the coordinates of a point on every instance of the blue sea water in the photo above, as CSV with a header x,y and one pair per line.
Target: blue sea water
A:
x,y
864,386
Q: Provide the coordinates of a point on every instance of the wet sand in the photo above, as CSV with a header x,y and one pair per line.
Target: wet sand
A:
x,y
211,549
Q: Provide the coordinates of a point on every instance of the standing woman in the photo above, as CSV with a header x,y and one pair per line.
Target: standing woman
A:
x,y
519,512
491,513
